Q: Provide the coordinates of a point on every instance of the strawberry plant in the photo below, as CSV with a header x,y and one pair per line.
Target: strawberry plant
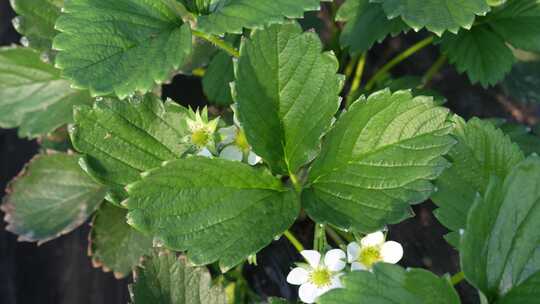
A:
x,y
295,135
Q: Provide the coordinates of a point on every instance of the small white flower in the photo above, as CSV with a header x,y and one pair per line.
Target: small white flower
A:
x,y
236,146
319,276
204,152
372,249
201,129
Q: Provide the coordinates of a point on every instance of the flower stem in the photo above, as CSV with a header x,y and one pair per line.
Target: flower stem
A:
x,y
294,241
296,183
357,80
319,238
433,70
456,278
335,236
398,59
217,42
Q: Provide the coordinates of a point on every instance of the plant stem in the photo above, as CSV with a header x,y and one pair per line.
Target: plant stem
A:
x,y
217,42
357,80
456,278
433,70
319,238
335,236
296,184
398,59
294,241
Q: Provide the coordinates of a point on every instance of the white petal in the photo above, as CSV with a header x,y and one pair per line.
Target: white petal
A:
x,y
205,153
353,250
298,276
253,158
372,239
336,281
357,266
231,152
313,257
391,252
307,293
335,259
228,134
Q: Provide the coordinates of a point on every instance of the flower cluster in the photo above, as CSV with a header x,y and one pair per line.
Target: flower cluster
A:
x,y
321,275
225,142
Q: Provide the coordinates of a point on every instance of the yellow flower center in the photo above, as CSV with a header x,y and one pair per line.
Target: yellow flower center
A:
x,y
200,137
369,256
320,277
241,141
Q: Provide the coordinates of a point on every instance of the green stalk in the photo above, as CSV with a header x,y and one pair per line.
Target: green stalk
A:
x,y
217,42
357,80
294,241
456,278
397,60
433,70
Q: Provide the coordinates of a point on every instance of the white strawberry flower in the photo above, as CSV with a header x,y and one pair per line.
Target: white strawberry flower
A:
x,y
319,275
373,249
202,131
236,146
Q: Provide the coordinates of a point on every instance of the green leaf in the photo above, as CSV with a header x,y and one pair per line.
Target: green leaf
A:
x,y
33,97
528,140
121,46
481,152
500,247
527,292
287,93
51,197
212,208
36,21
479,52
389,284
165,279
113,244
523,82
231,16
366,24
217,79
437,16
378,159
518,22
122,138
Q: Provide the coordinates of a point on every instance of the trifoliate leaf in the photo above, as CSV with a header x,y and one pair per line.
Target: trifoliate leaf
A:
x,y
389,284
121,46
523,82
122,138
287,93
437,16
217,79
165,279
366,24
378,159
518,22
214,209
36,21
481,152
479,52
51,197
526,292
500,248
114,245
231,16
33,97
